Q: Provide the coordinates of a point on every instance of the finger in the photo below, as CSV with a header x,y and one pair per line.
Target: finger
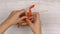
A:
x,y
33,13
24,17
37,18
30,23
38,15
19,12
31,17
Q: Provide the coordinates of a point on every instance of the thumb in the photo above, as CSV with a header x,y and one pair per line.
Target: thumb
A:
x,y
30,23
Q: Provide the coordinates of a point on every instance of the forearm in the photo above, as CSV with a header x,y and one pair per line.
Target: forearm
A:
x,y
38,31
4,26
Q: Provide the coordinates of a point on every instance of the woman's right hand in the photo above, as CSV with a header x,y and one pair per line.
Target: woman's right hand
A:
x,y
36,24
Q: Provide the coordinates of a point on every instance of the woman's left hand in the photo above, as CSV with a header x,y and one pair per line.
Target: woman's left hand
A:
x,y
14,17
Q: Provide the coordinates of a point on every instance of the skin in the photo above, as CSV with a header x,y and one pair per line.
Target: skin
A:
x,y
14,18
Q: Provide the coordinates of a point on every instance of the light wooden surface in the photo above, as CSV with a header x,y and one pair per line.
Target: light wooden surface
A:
x,y
49,12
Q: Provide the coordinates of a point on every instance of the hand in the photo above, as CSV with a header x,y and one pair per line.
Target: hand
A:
x,y
36,25
14,17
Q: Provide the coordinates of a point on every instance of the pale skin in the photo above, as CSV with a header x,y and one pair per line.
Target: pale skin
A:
x,y
14,18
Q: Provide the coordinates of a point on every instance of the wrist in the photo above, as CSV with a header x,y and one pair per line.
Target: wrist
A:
x,y
4,26
10,21
37,32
